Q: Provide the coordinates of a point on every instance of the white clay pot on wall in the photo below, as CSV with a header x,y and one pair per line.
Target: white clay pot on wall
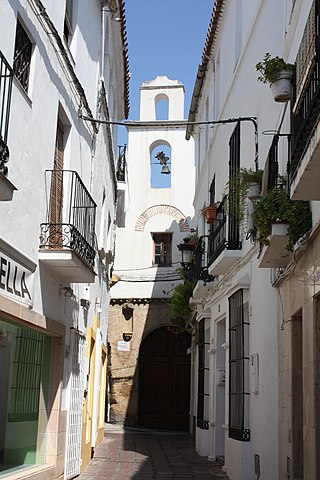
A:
x,y
282,87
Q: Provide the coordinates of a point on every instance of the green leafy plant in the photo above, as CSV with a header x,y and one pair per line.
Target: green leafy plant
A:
x,y
270,67
238,189
179,308
276,207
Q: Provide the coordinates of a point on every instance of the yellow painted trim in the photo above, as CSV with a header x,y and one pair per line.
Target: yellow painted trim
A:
x,y
103,385
88,407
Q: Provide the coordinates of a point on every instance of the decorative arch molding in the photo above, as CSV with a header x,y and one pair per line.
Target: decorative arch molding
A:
x,y
162,209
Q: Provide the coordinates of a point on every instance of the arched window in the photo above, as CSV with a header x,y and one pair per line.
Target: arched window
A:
x,y
162,107
160,162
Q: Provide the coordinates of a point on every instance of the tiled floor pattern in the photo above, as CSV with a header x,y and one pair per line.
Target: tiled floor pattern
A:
x,y
147,455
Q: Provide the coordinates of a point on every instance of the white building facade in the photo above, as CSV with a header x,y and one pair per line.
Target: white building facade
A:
x,y
62,66
236,403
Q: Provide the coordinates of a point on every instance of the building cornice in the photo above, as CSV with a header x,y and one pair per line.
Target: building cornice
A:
x,y
202,69
125,53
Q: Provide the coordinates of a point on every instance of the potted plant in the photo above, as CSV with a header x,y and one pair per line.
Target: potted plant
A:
x,y
210,213
276,207
278,73
243,186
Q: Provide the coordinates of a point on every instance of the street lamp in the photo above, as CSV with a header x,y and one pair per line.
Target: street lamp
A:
x,y
186,250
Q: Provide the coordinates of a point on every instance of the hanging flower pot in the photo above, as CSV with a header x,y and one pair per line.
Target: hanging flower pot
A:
x,y
278,73
254,190
282,87
210,213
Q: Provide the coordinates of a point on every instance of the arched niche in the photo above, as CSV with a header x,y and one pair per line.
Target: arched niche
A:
x,y
157,178
161,106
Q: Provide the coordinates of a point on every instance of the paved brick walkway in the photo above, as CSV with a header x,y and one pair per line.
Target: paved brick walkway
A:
x,y
147,455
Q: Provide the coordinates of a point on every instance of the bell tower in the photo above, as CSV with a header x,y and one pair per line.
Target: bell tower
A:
x,y
162,88
160,185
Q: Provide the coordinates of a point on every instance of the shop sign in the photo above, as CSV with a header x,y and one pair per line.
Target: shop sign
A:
x,y
16,281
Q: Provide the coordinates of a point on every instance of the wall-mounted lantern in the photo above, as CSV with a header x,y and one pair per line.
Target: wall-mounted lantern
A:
x,y
186,250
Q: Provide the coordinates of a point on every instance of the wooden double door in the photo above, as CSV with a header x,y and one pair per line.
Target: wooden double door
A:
x,y
164,380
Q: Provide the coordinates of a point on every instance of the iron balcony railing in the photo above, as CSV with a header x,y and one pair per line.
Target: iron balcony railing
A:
x,y
306,96
6,76
71,215
218,239
199,265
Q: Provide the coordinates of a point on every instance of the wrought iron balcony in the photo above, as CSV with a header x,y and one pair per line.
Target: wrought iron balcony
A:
x,y
67,238
224,236
305,167
199,267
6,76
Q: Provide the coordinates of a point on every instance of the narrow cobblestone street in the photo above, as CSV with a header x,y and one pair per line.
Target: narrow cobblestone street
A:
x,y
146,455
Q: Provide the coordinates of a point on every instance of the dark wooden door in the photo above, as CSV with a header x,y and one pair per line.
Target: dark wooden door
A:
x,y
164,380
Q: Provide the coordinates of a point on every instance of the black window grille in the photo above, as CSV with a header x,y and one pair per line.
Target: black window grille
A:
x,y
68,20
203,380
121,164
238,368
162,244
212,191
234,168
273,164
22,56
305,104
6,74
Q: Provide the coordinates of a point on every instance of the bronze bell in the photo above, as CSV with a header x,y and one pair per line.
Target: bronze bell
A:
x,y
165,169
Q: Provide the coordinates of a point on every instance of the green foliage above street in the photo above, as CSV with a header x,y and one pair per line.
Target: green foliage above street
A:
x,y
276,207
270,67
179,308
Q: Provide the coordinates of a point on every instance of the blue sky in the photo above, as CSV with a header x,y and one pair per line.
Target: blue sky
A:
x,y
165,37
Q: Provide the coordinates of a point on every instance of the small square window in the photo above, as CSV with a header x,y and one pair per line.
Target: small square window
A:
x,y
22,56
162,249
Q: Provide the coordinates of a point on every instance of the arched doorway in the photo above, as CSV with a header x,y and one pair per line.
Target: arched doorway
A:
x,y
164,380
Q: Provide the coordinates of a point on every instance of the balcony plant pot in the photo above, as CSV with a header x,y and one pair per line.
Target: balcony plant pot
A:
x,y
278,73
277,208
282,87
210,213
254,191
276,254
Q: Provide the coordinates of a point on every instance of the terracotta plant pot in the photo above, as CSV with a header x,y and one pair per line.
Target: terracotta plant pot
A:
x,y
210,213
